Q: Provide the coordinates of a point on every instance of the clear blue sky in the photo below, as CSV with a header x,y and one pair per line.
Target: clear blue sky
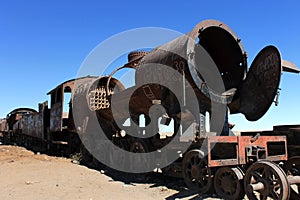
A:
x,y
43,43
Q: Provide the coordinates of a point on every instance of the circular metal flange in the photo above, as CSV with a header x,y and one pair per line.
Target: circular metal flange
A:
x,y
261,84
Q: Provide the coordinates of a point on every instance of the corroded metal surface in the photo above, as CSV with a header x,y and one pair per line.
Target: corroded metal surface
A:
x,y
32,125
57,102
261,84
16,115
266,179
238,146
249,92
292,169
35,124
228,183
56,115
210,48
2,125
197,174
289,67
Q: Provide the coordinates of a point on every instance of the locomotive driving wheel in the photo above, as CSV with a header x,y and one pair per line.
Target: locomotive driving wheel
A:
x,y
228,183
117,156
292,168
196,173
140,147
265,179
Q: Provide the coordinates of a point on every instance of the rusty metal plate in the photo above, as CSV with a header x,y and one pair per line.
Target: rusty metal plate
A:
x,y
221,162
242,142
261,84
2,125
56,117
32,125
262,141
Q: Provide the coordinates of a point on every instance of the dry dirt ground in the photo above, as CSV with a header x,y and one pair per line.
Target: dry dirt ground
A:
x,y
25,175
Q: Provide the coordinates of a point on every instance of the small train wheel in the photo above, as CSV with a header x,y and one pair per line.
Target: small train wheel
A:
x,y
264,179
228,183
196,173
117,156
139,146
292,168
86,157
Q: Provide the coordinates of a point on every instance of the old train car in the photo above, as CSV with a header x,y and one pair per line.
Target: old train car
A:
x,y
13,124
2,127
51,128
260,165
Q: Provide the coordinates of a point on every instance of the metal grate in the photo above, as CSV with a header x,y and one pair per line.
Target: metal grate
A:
x,y
98,99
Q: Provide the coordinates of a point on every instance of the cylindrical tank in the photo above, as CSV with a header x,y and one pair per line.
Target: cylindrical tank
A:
x,y
210,59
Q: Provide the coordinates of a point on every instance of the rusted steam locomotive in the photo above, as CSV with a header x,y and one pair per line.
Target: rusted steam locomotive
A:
x,y
179,84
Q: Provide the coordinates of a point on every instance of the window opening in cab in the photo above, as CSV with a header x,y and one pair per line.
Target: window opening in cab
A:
x,y
67,100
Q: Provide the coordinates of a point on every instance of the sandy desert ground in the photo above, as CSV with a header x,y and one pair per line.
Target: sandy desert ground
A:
x,y
26,175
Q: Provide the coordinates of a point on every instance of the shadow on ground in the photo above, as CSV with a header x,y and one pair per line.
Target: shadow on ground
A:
x,y
158,180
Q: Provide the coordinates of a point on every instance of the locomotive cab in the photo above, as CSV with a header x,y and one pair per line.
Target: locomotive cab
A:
x,y
60,98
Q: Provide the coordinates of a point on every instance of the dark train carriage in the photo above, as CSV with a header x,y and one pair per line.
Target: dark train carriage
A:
x,y
2,124
2,127
51,127
13,123
16,115
26,126
35,124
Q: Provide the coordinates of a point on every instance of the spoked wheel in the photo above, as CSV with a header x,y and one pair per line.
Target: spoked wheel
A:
x,y
228,183
196,173
266,180
117,156
86,157
140,147
292,169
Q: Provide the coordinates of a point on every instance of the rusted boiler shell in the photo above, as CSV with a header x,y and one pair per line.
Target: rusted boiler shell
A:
x,y
194,55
